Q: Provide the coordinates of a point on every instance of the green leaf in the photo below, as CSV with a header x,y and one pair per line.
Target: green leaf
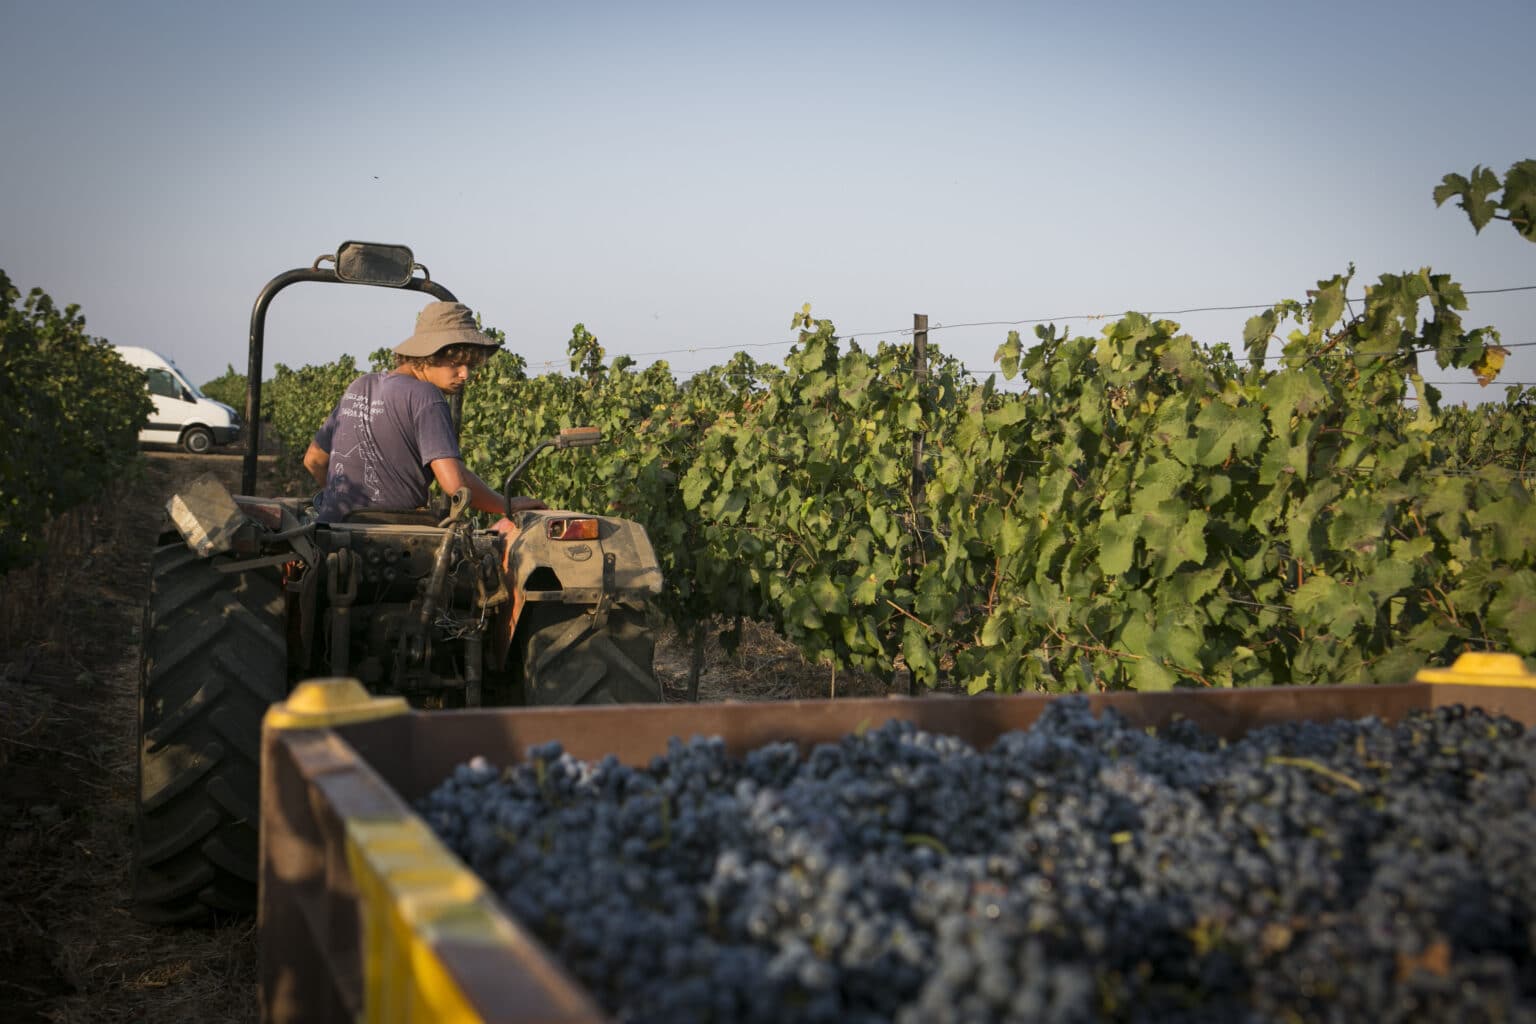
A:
x,y
1514,610
1218,431
828,596
1256,334
694,486
1512,523
995,630
1520,197
1389,579
727,506
1149,676
1012,411
1012,535
1447,498
1181,643
914,647
1007,355
1480,208
1188,545
880,523
1359,523
1192,587
1159,481
1328,304
1117,543
1474,194
1136,634
1451,185
1321,604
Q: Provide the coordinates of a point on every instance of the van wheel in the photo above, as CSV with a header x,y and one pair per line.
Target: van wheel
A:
x,y
197,440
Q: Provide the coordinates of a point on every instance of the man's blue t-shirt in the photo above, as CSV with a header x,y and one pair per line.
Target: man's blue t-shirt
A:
x,y
382,437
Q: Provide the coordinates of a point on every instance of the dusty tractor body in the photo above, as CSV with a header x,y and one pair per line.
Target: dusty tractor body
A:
x,y
251,595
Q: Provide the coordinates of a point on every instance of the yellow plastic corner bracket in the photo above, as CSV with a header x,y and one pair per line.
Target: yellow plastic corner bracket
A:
x,y
1477,668
413,894
318,703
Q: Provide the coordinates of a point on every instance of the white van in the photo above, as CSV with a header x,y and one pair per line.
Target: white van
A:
x,y
183,415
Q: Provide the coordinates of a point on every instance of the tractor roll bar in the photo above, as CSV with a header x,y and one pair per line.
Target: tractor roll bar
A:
x,y
258,336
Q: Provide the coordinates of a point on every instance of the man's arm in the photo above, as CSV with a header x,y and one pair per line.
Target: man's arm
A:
x,y
317,460
452,474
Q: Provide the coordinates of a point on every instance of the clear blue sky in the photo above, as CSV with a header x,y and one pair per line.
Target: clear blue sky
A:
x,y
685,175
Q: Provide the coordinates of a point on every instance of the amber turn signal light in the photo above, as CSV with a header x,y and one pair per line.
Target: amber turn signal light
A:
x,y
572,529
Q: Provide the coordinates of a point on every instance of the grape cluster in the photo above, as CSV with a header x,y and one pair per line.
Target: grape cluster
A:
x,y
1081,870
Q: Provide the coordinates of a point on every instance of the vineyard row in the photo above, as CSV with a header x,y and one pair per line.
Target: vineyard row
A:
x,y
1148,512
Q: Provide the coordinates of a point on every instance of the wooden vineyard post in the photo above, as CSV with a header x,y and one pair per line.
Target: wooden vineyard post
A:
x,y
920,376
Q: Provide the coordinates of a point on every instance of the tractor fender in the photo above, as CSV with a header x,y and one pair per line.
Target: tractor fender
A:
x,y
539,568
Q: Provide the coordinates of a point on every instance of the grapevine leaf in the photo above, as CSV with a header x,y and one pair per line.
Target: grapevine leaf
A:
x,y
1474,194
1186,544
1520,197
1446,505
1450,186
880,523
867,591
1192,587
1512,523
914,647
694,486
828,596
1514,611
1159,482
1149,676
1358,523
1136,634
1256,334
1315,593
1389,578
1328,304
1117,544
803,611
1183,644
1007,355
728,505
1429,636
1006,416
1012,535
1218,431
995,630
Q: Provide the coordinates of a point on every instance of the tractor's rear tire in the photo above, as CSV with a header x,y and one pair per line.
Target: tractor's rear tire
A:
x,y
567,661
214,657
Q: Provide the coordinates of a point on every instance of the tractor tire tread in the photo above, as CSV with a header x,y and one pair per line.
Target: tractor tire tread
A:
x,y
215,656
566,659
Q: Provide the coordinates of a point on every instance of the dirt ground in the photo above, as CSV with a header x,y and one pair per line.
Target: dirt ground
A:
x,y
70,951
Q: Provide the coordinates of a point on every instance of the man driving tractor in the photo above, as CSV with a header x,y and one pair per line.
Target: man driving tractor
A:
x,y
392,433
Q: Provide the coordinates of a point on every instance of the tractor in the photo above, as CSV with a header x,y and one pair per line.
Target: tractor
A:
x,y
251,595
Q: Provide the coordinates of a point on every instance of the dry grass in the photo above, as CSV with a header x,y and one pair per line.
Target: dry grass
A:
x,y
69,950
764,666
